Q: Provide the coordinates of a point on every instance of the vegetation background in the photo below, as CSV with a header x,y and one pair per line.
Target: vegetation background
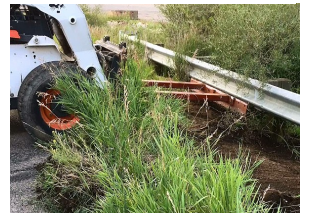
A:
x,y
257,41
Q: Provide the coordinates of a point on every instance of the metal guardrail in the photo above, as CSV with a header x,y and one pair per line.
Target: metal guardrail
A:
x,y
278,101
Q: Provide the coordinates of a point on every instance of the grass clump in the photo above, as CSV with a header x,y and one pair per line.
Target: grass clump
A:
x,y
129,153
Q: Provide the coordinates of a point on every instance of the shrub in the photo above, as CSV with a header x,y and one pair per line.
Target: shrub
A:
x,y
94,15
258,41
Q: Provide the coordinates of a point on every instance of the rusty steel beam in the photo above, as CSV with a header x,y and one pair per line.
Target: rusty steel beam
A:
x,y
197,91
175,84
233,104
194,96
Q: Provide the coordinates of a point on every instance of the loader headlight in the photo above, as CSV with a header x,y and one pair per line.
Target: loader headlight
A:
x,y
91,71
72,20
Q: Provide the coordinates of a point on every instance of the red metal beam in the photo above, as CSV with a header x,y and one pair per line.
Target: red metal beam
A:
x,y
233,104
193,96
199,92
175,84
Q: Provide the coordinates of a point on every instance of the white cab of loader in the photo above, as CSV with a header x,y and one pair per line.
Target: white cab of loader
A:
x,y
35,58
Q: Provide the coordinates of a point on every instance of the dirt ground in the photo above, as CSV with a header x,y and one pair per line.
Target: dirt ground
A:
x,y
279,174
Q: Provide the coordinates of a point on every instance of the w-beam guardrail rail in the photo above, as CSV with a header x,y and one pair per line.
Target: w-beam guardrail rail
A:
x,y
281,102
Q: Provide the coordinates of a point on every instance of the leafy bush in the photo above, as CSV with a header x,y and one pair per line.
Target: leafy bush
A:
x,y
94,15
258,41
188,26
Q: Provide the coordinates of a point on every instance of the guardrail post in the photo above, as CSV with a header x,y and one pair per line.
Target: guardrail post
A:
x,y
283,83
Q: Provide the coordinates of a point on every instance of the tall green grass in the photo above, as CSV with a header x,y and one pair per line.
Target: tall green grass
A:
x,y
129,153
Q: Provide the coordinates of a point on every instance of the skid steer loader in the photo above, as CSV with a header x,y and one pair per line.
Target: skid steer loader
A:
x,y
46,39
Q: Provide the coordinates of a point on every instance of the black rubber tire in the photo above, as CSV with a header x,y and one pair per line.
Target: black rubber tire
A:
x,y
39,79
